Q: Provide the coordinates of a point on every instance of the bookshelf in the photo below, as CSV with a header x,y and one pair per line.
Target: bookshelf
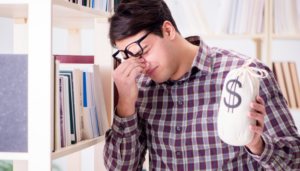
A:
x,y
33,23
263,41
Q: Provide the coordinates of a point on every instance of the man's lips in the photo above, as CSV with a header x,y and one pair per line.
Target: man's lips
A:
x,y
151,71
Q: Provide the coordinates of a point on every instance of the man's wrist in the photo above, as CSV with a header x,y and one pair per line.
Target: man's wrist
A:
x,y
258,148
125,110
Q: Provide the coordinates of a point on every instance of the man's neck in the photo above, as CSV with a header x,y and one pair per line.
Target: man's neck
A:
x,y
186,55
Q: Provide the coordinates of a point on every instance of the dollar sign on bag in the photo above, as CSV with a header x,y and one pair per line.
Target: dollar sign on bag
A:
x,y
233,93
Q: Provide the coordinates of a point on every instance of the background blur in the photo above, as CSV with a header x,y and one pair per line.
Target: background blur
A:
x,y
283,50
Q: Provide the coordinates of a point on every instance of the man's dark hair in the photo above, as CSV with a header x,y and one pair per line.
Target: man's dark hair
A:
x,y
133,16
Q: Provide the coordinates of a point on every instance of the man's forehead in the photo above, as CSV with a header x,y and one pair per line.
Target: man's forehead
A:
x,y
121,44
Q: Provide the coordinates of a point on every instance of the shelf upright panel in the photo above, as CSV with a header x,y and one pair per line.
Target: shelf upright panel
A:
x,y
40,84
268,29
103,58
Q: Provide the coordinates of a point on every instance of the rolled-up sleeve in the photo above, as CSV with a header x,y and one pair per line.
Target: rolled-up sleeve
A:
x,y
280,135
125,146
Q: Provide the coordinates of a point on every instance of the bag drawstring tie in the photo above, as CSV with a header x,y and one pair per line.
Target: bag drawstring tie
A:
x,y
251,70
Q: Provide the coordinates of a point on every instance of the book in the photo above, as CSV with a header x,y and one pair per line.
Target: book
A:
x,y
260,17
75,59
289,84
116,93
116,3
62,112
69,74
239,16
295,81
14,103
277,68
92,104
233,16
67,111
100,102
77,84
223,16
57,108
87,118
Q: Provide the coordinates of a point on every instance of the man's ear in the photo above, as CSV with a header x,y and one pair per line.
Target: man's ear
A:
x,y
168,30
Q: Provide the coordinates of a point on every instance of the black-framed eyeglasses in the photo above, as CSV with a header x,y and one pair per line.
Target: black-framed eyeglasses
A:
x,y
134,49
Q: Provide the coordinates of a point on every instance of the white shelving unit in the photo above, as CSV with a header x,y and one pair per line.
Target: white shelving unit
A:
x,y
33,23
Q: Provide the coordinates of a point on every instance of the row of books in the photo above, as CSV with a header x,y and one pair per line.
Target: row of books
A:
x,y
103,5
240,17
80,112
287,78
286,16
189,16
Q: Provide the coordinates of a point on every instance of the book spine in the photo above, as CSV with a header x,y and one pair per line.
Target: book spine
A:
x,y
75,59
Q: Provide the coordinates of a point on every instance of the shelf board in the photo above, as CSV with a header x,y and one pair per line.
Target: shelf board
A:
x,y
295,110
286,36
77,147
66,15
13,156
228,36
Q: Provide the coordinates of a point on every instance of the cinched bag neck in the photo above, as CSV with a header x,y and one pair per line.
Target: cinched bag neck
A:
x,y
261,73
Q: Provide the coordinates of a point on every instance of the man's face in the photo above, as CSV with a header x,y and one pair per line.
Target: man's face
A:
x,y
157,53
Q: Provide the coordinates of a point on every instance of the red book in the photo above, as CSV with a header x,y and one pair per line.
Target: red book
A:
x,y
73,59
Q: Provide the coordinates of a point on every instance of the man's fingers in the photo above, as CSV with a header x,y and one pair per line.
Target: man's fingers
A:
x,y
133,74
260,100
256,129
258,107
129,69
128,62
257,116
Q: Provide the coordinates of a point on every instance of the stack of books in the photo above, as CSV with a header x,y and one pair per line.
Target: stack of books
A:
x,y
286,16
80,111
240,17
287,78
103,5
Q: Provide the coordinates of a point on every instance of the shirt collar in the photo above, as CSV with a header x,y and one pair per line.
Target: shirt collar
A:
x,y
202,61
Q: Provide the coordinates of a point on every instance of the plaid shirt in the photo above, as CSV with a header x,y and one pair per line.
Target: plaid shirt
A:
x,y
177,122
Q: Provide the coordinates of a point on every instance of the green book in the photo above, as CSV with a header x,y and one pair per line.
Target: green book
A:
x,y
69,74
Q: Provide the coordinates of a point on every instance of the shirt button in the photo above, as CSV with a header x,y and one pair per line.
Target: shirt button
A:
x,y
121,128
180,82
178,153
180,102
178,128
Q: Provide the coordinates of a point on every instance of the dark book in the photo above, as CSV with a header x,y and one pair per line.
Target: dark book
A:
x,y
13,103
289,84
116,93
278,71
295,82
69,74
116,3
74,59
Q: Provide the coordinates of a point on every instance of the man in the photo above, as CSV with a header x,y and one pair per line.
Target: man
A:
x,y
169,94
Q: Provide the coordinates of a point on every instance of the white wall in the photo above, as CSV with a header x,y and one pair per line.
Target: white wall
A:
x,y
6,35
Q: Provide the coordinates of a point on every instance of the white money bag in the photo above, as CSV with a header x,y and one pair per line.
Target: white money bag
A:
x,y
239,89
